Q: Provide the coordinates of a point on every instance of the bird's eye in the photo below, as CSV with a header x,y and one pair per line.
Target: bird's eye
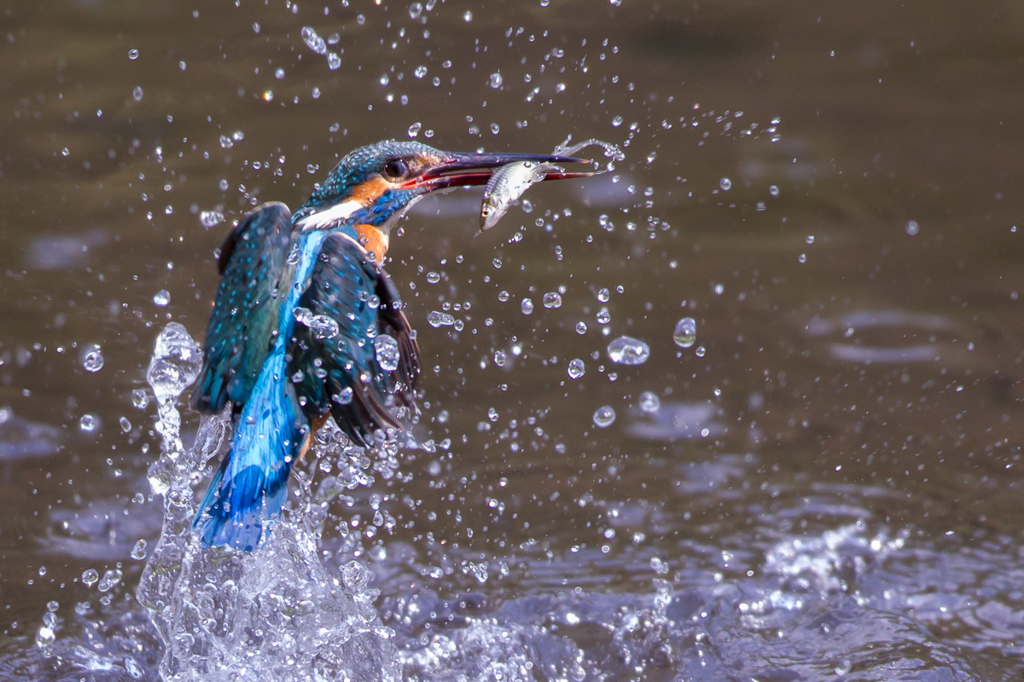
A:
x,y
395,168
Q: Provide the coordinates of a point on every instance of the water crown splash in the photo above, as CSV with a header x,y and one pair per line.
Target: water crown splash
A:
x,y
278,613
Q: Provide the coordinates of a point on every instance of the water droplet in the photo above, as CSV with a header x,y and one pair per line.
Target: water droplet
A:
x,y
617,121
526,306
603,295
139,550
604,417
492,414
175,363
433,277
495,80
912,228
322,326
495,129
496,263
387,352
468,16
438,319
603,316
415,10
109,580
699,352
500,358
333,61
126,426
503,296
313,41
161,298
42,571
210,219
88,423
581,328
725,184
137,93
552,300
576,368
626,350
685,334
345,396
90,576
651,157
279,73
92,358
420,71
45,636
773,190
133,54
649,402
139,398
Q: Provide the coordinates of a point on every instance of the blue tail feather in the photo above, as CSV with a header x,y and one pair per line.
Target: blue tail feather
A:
x,y
249,489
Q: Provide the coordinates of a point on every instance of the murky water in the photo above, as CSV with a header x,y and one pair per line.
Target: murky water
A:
x,y
823,481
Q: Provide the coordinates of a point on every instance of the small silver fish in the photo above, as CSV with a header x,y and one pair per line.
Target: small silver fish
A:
x,y
506,186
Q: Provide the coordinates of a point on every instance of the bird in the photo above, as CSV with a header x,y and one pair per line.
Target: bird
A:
x,y
306,325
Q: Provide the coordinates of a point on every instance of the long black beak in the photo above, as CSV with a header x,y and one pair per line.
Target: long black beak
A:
x,y
459,170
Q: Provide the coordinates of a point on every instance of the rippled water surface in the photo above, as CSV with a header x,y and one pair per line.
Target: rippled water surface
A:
x,y
818,478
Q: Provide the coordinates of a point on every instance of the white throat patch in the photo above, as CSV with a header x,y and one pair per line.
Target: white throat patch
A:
x,y
331,217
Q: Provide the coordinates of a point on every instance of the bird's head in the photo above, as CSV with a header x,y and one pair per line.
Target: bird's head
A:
x,y
372,187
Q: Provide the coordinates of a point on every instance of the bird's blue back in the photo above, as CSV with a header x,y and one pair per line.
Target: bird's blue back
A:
x,y
252,261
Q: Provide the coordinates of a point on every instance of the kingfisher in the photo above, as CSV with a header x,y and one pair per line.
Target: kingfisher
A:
x,y
306,325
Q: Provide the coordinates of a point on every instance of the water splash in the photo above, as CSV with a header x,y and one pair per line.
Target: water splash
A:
x,y
277,613
322,326
611,151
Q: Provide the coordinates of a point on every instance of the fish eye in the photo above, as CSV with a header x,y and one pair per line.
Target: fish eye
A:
x,y
396,168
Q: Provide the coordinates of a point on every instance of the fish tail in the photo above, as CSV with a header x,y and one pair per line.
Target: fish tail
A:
x,y
248,491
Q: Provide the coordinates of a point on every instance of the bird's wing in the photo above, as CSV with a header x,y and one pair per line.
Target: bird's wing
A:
x,y
348,290
245,313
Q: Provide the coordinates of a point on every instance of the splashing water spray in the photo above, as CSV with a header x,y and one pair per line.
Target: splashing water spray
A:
x,y
276,613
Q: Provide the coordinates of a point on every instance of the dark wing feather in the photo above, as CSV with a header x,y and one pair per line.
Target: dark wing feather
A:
x,y
245,312
349,289
392,321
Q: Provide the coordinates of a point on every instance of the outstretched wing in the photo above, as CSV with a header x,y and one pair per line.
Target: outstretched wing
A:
x,y
245,313
336,369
